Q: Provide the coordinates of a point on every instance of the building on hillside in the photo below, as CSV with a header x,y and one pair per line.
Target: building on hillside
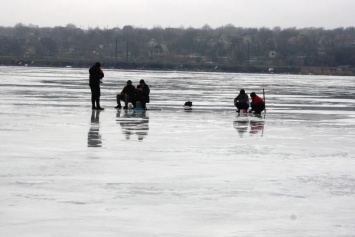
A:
x,y
157,49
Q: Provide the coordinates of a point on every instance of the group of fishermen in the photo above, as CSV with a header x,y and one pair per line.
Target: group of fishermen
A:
x,y
139,96
257,104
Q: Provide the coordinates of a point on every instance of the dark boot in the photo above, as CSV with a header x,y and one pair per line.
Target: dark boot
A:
x,y
98,107
118,99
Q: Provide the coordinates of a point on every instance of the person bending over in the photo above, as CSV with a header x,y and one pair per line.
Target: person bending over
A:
x,y
257,104
242,101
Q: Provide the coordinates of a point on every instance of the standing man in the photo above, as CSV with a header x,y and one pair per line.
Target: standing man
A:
x,y
96,74
257,104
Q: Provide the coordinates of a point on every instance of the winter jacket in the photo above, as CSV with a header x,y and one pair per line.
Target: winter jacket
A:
x,y
130,90
242,98
257,101
96,74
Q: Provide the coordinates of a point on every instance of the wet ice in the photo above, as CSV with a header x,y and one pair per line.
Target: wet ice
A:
x,y
69,171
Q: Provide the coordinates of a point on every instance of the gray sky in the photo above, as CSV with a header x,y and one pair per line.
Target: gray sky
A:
x,y
175,13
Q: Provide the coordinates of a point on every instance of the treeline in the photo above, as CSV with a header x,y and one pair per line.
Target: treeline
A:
x,y
223,46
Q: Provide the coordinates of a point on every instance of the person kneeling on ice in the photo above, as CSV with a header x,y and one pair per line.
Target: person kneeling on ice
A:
x,y
142,95
127,94
242,101
257,104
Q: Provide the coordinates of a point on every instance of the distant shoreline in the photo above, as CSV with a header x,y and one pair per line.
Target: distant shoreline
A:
x,y
297,70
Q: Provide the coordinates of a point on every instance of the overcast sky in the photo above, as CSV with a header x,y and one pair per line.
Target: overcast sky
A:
x,y
329,14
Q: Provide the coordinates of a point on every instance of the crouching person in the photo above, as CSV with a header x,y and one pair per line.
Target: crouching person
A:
x,y
257,104
127,95
242,101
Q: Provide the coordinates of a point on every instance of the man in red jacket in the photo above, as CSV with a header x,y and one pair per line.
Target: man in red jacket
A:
x,y
257,104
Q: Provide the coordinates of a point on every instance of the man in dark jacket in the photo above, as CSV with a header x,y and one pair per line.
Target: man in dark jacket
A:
x,y
127,95
143,97
96,74
242,101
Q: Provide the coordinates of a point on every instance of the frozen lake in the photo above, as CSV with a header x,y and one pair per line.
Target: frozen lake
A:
x,y
68,171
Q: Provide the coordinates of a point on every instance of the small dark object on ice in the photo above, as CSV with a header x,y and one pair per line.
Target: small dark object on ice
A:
x,y
188,103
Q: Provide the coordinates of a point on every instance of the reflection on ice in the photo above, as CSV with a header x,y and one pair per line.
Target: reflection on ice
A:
x,y
242,126
133,123
94,137
252,123
257,127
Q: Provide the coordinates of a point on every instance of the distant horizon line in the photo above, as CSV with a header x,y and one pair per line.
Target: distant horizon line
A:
x,y
72,25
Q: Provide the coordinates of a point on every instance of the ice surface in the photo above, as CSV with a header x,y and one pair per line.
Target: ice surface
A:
x,y
69,171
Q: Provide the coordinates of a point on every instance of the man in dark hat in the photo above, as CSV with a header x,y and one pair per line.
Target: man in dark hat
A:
x,y
96,74
127,95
